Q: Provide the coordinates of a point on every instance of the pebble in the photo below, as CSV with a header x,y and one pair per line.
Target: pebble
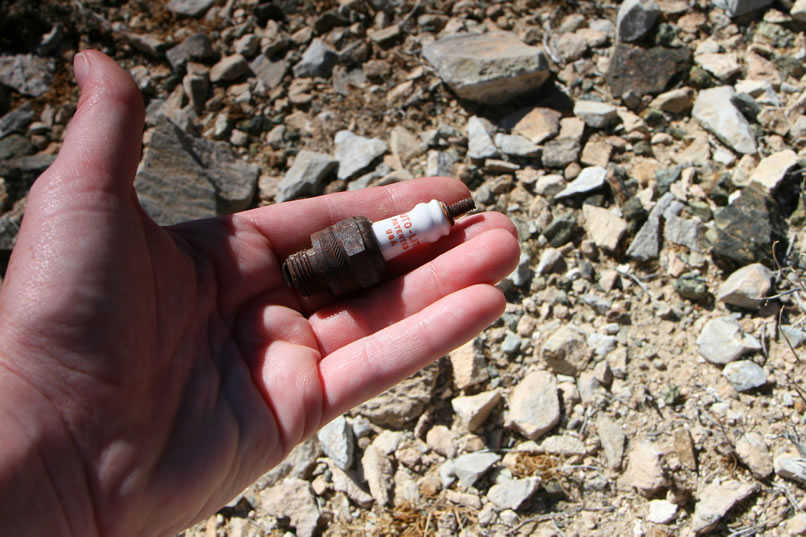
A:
x,y
644,471
306,176
515,145
747,287
565,351
644,71
715,111
294,499
661,512
467,468
688,232
721,65
511,344
479,140
489,68
538,124
534,406
318,60
560,152
646,244
440,164
442,440
736,8
753,452
589,180
17,120
473,410
791,467
26,73
269,72
715,501
745,375
469,367
722,341
196,47
343,482
229,69
595,114
551,260
549,185
676,101
190,8
338,442
401,404
798,11
356,153
513,493
772,170
379,474
563,445
604,227
635,18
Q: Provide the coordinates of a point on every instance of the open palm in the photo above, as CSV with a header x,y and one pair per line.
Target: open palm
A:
x,y
147,374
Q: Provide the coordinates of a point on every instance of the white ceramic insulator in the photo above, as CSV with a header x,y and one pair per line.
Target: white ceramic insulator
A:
x,y
425,223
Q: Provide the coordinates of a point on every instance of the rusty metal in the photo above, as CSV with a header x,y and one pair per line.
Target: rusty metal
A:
x,y
346,256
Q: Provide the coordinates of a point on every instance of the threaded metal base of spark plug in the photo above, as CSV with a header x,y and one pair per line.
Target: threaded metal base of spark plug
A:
x,y
300,274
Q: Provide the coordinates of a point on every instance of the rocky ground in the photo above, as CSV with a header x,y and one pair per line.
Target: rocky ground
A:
x,y
646,378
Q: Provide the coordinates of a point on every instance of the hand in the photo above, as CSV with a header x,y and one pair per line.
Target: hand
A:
x,y
148,374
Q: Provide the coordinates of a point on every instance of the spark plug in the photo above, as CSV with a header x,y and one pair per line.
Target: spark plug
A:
x,y
352,254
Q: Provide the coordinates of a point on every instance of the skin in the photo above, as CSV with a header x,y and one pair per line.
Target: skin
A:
x,y
149,374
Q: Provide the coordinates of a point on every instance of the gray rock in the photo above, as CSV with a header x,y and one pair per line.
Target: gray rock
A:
x,y
549,185
595,114
470,467
513,493
379,473
736,8
753,452
601,344
745,375
297,464
534,406
522,273
26,73
550,259
565,351
472,410
306,176
646,244
489,68
747,287
356,153
511,344
644,71
516,146
403,402
184,178
16,121
715,501
318,60
197,48
613,439
715,111
589,180
9,229
722,341
269,72
439,164
294,499
791,467
15,146
197,88
795,336
479,141
661,512
229,69
561,152
635,18
344,482
338,442
190,8
688,232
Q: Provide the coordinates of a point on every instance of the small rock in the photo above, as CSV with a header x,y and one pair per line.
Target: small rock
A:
x,y
605,228
538,124
753,452
721,65
662,512
26,73
229,69
794,336
684,448
306,175
534,406
338,442
379,473
293,499
511,344
513,493
798,11
676,101
439,164
644,470
343,482
318,60
479,140
269,72
489,68
644,71
772,169
722,341
715,501
469,367
565,351
550,261
745,375
356,153
791,467
589,180
516,146
195,48
16,121
646,244
596,115
635,18
470,467
736,8
747,287
472,410
442,440
688,232
404,402
560,152
404,143
563,445
797,524
190,8
715,111
549,185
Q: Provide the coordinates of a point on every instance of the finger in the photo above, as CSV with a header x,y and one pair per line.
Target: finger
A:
x,y
288,226
372,364
487,258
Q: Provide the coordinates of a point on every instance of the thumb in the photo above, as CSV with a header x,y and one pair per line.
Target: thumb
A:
x,y
101,149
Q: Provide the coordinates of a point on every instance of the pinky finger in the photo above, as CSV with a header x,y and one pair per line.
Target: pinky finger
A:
x,y
368,366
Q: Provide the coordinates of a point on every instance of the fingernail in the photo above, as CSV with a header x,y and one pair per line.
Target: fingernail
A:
x,y
81,67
